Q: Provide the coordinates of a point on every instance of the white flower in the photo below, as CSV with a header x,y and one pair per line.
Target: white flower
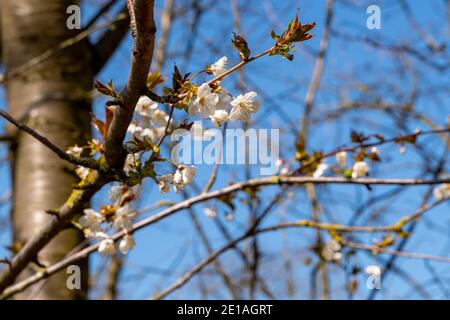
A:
x,y
131,163
219,117
218,67
107,247
243,105
360,169
124,217
183,176
332,251
126,243
210,212
375,151
90,218
82,172
135,130
91,221
373,270
341,158
154,134
442,192
164,183
160,118
75,150
205,101
229,216
146,107
321,168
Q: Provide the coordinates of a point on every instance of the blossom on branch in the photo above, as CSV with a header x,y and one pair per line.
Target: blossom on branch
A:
x,y
360,169
126,244
146,107
442,192
320,171
164,183
205,101
243,105
183,176
91,221
218,68
341,158
219,117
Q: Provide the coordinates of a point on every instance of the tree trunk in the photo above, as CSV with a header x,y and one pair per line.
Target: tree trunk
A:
x,y
53,99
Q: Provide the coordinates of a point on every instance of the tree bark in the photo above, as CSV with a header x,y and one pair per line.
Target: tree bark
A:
x,y
53,99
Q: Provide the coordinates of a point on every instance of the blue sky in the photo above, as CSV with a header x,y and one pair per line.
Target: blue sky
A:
x,y
172,245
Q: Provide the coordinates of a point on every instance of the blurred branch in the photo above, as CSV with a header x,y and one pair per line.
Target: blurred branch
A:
x,y
217,266
103,9
112,279
166,24
32,63
251,232
318,71
107,44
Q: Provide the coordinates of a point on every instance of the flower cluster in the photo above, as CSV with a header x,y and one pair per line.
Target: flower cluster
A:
x,y
359,168
442,192
152,124
332,251
119,215
182,177
212,103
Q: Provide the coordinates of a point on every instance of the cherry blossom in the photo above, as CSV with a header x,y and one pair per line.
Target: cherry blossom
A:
x,y
146,107
219,117
82,172
210,212
124,217
126,244
442,192
205,101
332,251
320,171
164,183
360,169
131,163
107,247
243,105
183,176
218,67
341,158
75,150
90,221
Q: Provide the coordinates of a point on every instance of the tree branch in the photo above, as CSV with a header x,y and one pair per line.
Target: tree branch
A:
x,y
143,28
275,180
143,32
85,162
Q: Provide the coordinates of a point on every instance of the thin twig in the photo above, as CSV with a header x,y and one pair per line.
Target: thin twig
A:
x,y
85,162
